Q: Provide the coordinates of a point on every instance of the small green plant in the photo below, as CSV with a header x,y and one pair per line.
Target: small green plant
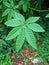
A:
x,y
4,55
5,59
23,30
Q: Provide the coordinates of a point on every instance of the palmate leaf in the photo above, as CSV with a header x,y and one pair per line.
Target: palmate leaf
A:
x,y
20,40
30,38
19,31
13,23
32,19
36,27
13,33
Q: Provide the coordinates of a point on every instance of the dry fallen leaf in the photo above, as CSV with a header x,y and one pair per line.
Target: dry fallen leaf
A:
x,y
34,54
26,52
13,56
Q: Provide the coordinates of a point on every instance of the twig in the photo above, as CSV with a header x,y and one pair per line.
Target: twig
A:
x,y
38,10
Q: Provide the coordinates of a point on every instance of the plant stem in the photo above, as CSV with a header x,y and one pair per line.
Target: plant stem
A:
x,y
38,10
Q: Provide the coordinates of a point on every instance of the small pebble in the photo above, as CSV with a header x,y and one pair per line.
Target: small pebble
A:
x,y
35,61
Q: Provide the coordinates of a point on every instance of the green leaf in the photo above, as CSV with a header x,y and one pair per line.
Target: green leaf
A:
x,y
13,33
0,0
1,19
2,42
19,17
7,4
25,6
32,19
10,14
5,12
36,27
30,38
20,40
12,4
13,23
47,16
21,2
0,7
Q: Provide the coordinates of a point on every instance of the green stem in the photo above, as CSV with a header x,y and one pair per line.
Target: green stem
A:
x,y
38,10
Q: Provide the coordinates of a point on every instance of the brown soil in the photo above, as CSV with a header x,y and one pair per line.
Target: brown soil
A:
x,y
19,60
